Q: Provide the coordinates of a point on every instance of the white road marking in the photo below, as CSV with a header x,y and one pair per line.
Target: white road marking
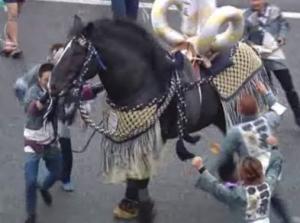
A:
x,y
146,5
292,15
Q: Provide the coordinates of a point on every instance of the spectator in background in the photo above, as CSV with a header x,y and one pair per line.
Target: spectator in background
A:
x,y
267,30
66,114
64,132
11,44
125,8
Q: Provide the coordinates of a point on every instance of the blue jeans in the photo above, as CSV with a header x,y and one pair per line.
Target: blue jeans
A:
x,y
67,159
125,8
53,161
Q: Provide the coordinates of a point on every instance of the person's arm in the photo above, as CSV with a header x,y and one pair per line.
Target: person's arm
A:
x,y
274,169
229,145
89,91
273,117
269,98
252,35
33,103
207,182
210,184
247,26
283,30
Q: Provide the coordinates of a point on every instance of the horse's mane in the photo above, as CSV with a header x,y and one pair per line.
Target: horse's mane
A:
x,y
124,37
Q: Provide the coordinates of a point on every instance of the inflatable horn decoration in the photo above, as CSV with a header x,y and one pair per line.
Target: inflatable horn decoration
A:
x,y
201,23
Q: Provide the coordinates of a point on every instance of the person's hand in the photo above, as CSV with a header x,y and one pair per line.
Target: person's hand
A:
x,y
187,48
215,148
83,125
197,162
281,41
43,99
272,140
261,88
56,55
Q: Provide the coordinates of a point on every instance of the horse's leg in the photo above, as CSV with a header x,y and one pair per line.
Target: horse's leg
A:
x,y
137,190
146,204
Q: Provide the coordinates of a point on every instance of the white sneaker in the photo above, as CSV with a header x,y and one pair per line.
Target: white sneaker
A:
x,y
296,219
68,187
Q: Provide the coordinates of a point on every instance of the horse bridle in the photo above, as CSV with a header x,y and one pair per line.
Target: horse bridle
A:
x,y
79,80
92,53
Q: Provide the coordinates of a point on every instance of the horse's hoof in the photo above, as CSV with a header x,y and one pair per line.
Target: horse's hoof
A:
x,y
146,212
126,209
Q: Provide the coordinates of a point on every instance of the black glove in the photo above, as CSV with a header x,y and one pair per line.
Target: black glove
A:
x,y
97,88
44,98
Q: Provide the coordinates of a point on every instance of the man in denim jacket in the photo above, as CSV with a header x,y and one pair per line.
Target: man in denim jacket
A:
x,y
253,137
266,30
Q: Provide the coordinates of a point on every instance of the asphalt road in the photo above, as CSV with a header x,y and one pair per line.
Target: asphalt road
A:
x,y
42,24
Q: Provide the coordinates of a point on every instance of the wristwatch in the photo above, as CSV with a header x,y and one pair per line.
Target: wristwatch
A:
x,y
202,169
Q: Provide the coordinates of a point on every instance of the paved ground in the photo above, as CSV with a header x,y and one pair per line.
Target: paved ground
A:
x,y
177,201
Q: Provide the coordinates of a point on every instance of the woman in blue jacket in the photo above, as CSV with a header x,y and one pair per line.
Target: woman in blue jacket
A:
x,y
249,200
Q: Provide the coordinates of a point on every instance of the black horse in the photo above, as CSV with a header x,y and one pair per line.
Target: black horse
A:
x,y
137,69
134,69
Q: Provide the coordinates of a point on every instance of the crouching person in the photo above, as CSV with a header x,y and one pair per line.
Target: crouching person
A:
x,y
250,199
40,143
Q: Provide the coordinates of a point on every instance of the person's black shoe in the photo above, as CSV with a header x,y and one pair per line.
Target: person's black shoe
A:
x,y
46,197
30,219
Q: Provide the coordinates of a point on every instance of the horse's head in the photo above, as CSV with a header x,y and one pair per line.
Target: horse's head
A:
x,y
69,67
131,64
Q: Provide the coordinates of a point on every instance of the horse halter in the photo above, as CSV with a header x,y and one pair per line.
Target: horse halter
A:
x,y
91,54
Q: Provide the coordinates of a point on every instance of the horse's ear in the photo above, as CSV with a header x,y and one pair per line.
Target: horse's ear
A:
x,y
76,28
77,22
87,31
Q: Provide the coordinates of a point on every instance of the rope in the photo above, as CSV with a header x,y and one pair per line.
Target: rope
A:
x,y
84,148
181,107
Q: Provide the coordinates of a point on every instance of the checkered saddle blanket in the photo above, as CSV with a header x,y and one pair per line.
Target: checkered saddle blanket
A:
x,y
124,123
246,63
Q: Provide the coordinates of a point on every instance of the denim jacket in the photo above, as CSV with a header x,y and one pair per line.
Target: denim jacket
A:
x,y
271,21
37,134
247,203
263,30
34,116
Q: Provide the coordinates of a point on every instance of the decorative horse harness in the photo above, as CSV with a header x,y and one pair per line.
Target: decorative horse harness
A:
x,y
155,108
